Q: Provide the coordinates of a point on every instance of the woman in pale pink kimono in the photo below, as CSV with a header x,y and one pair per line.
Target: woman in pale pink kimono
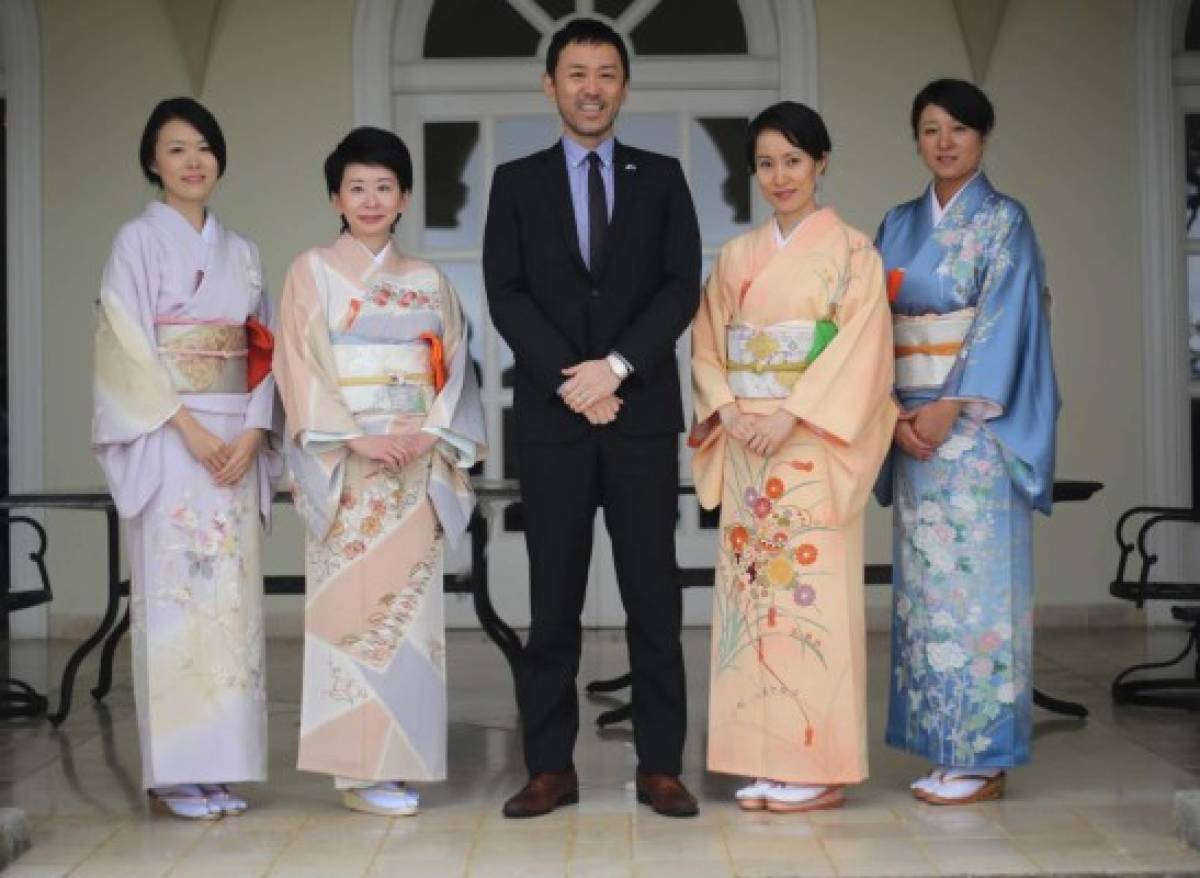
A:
x,y
792,371
383,421
181,411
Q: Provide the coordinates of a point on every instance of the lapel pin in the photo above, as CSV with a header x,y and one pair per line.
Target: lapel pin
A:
x,y
631,167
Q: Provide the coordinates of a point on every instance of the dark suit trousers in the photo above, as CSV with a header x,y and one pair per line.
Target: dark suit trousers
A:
x,y
635,481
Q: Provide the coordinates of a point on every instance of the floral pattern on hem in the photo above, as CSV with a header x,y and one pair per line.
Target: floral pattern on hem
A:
x,y
961,640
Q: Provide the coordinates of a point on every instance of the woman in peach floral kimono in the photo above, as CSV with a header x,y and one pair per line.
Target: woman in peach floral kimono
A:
x,y
792,370
383,421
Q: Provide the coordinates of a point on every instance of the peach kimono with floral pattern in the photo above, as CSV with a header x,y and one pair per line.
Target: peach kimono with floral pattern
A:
x,y
371,346
788,663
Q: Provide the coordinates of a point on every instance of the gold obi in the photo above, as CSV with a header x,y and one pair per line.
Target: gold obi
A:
x,y
928,346
203,357
394,378
763,362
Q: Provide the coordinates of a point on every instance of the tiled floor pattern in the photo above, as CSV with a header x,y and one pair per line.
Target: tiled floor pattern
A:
x,y
1096,799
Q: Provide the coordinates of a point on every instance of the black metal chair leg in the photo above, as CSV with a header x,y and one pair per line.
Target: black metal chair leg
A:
x,y
614,684
1057,705
104,683
496,628
19,700
106,623
1186,690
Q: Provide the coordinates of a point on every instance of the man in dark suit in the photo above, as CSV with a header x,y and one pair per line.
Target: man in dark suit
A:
x,y
591,258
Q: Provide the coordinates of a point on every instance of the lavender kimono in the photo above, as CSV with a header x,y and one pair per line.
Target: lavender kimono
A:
x,y
171,333
969,324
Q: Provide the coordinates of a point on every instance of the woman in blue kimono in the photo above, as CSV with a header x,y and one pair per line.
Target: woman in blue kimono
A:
x,y
973,456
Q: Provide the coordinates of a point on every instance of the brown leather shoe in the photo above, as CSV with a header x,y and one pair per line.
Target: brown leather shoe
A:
x,y
543,793
667,795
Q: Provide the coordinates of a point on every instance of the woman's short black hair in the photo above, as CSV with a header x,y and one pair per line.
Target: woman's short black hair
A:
x,y
184,110
369,146
800,124
963,100
590,32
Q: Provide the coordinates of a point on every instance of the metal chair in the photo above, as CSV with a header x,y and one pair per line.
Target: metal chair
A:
x,y
1178,692
17,698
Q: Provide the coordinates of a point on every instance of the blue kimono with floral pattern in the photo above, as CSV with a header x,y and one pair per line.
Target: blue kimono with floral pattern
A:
x,y
962,631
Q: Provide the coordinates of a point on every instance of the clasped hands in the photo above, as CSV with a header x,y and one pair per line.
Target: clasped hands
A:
x,y
590,390
394,450
762,434
921,431
227,462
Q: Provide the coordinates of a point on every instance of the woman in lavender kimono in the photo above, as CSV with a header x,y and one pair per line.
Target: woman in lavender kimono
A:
x,y
973,456
181,410
383,421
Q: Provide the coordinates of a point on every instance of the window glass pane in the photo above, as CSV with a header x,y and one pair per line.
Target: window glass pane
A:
x,y
674,28
467,278
1191,33
453,185
611,8
720,180
493,29
557,8
1193,275
657,132
518,136
1191,156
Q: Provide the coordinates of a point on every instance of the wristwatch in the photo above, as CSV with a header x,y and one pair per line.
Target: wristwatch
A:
x,y
619,365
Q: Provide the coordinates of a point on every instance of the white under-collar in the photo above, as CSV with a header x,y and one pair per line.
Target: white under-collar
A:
x,y
780,240
936,210
208,232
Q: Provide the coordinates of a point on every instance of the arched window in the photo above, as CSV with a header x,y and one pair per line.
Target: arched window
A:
x,y
466,99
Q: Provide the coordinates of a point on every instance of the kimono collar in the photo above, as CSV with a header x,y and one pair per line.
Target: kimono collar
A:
x,y
172,221
781,240
964,203
358,259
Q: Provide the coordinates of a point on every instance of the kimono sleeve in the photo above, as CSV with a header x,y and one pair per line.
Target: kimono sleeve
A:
x,y
844,389
710,382
1006,366
456,419
133,394
845,396
261,409
710,386
318,424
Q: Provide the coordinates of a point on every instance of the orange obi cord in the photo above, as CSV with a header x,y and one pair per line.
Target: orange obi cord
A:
x,y
437,360
895,278
260,344
940,349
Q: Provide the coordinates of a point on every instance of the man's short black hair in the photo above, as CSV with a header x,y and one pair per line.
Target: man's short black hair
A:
x,y
183,110
369,146
590,32
963,100
801,125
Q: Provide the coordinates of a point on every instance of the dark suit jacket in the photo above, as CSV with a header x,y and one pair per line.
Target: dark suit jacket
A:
x,y
554,312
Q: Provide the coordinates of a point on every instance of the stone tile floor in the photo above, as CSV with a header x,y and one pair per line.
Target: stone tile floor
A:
x,y
1096,799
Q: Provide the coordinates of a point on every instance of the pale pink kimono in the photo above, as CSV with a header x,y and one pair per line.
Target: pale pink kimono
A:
x,y
355,357
788,669
194,548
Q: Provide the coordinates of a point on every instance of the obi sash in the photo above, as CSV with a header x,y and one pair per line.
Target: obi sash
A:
x,y
203,357
380,377
764,362
928,346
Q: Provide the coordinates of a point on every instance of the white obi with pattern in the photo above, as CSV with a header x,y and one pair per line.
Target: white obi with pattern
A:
x,y
763,362
376,377
203,357
928,346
